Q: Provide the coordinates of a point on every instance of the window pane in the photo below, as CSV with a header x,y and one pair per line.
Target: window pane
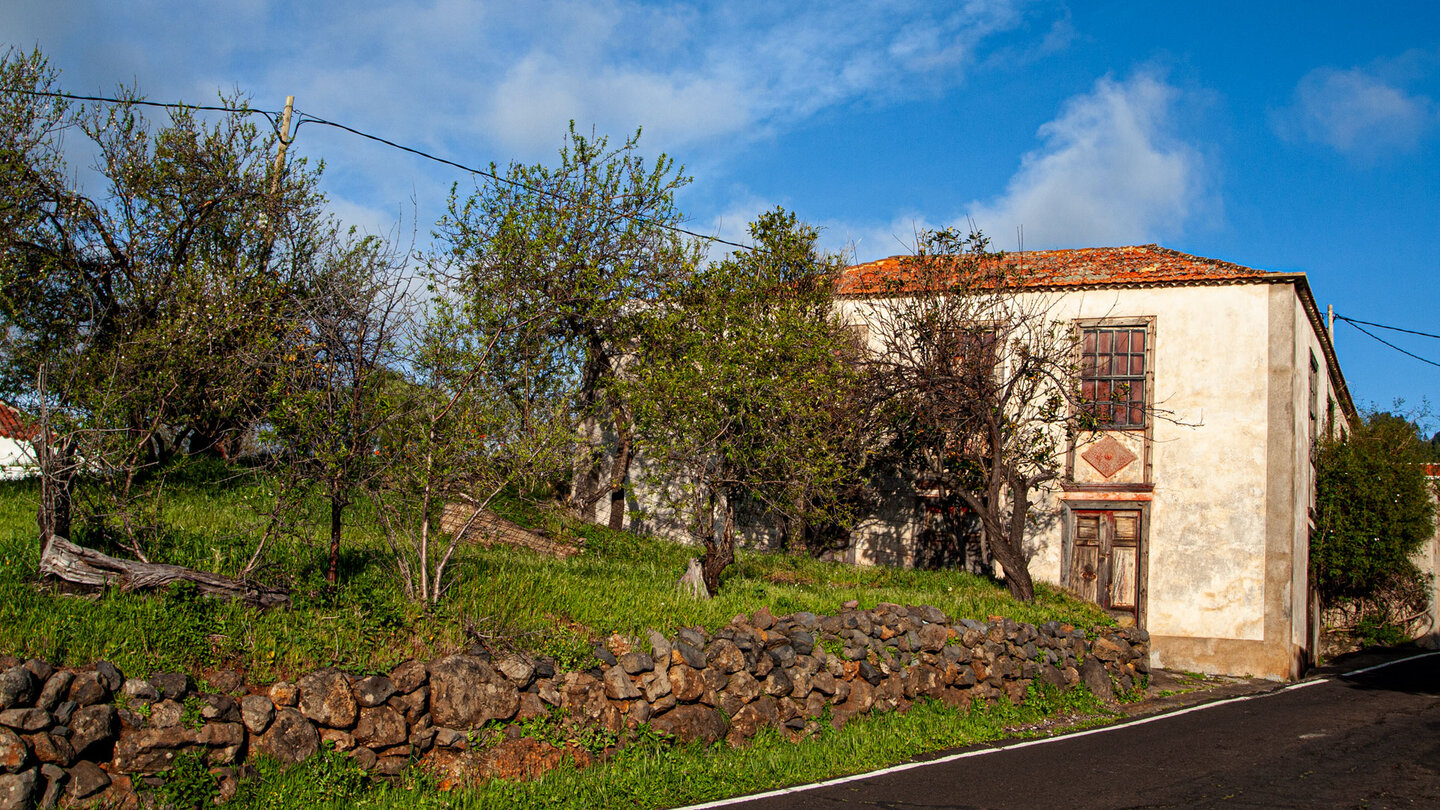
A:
x,y
1122,342
1105,339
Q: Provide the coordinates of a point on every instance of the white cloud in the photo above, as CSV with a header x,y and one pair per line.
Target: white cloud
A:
x,y
1356,112
1109,170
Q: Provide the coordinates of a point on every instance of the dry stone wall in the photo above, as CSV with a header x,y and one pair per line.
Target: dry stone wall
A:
x,y
95,735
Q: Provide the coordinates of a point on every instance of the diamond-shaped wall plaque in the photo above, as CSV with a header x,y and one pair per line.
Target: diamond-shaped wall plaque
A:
x,y
1108,456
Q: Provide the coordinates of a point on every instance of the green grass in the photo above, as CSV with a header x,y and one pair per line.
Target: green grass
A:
x,y
666,776
622,583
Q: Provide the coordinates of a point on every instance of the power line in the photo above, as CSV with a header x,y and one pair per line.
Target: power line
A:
x,y
272,115
1383,326
1388,343
307,118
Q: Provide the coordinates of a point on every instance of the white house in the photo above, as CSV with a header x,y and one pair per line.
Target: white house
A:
x,y
1195,528
17,455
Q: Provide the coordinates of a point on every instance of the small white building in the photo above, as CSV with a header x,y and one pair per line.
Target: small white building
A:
x,y
1197,528
17,454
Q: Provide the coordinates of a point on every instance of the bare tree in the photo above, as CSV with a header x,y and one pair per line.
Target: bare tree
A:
x,y
976,377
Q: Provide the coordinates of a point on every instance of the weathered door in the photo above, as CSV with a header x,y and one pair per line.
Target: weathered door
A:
x,y
1105,561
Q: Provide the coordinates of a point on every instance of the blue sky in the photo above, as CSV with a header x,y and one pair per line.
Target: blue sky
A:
x,y
1285,136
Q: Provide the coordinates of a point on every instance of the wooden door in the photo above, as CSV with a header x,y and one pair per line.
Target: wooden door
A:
x,y
1105,561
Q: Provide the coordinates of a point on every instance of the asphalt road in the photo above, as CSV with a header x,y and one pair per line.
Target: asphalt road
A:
x,y
1368,740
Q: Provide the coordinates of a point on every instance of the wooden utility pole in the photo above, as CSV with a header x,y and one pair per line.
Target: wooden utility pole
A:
x,y
1330,323
285,139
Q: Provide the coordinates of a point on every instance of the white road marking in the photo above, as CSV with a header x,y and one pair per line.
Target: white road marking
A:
x,y
1042,741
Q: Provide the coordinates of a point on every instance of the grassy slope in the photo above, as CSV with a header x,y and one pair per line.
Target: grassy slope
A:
x,y
622,583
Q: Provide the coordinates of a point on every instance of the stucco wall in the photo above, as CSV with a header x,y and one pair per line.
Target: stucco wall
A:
x,y
17,459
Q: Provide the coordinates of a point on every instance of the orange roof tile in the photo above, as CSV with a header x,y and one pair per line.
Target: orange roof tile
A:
x,y
13,425
1080,267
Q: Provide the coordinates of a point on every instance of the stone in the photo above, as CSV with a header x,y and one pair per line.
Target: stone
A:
x,y
466,693
655,684
932,637
618,685
547,692
693,656
784,655
762,619
25,720
86,780
14,753
166,714
364,758
220,681
219,708
87,689
531,707
380,727
450,738
91,726
692,636
763,664
870,673
723,655
412,704
752,718
409,676
743,686
290,738
337,739
422,739
860,699
284,693
824,683
138,689
325,698
17,790
56,687
1110,649
392,765
1097,679
636,662
691,722
173,685
686,683
51,749
110,676
803,642
778,684
659,646
256,712
149,751
373,691
517,669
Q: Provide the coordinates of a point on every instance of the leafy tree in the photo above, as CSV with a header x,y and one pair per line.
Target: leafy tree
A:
x,y
734,387
152,303
478,410
585,243
336,392
1375,510
976,382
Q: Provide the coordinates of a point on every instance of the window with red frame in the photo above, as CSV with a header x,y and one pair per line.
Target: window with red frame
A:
x,y
1112,375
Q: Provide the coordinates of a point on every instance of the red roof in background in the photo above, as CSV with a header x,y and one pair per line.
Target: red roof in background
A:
x,y
13,425
1080,267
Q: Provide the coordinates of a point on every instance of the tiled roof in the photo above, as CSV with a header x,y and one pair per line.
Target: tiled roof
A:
x,y
13,425
1081,267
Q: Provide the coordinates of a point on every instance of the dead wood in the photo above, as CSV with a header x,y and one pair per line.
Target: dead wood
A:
x,y
93,570
489,529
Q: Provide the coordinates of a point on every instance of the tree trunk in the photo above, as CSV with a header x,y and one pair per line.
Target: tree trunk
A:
x,y
337,506
57,477
720,552
93,570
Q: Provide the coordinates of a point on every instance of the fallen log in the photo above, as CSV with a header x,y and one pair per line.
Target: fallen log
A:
x,y
91,569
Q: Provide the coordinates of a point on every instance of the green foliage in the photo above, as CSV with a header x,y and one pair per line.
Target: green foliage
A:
x,y
1374,511
622,583
329,778
187,785
737,388
1373,631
